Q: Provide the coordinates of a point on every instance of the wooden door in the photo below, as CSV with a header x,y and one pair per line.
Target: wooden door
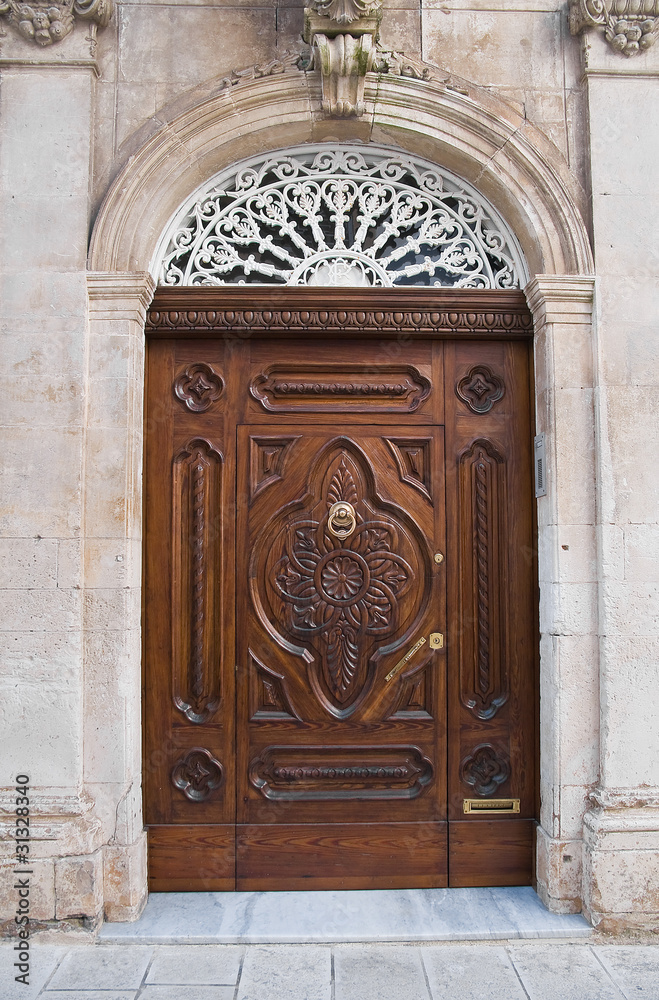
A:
x,y
341,765
339,616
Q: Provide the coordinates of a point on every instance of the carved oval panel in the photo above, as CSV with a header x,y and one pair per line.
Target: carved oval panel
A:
x,y
343,599
328,388
340,772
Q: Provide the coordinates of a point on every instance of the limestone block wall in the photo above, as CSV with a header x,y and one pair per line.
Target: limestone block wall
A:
x,y
155,54
582,121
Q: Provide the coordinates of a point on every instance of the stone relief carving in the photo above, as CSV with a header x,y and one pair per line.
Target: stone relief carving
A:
x,y
45,21
630,26
343,36
345,11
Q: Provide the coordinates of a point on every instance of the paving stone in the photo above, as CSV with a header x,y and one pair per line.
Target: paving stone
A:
x,y
471,973
211,965
89,994
102,968
634,968
284,972
562,972
379,974
189,993
43,960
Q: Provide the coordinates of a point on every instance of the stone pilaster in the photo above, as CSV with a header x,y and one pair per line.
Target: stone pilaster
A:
x,y
562,307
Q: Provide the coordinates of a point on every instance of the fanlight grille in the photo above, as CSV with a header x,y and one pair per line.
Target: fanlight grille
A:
x,y
340,215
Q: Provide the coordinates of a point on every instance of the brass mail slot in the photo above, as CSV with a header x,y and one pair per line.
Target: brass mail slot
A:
x,y
490,805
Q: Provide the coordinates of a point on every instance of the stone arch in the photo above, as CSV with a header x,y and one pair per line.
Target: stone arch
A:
x,y
465,129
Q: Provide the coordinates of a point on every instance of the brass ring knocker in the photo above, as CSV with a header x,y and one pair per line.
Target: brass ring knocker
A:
x,y
342,520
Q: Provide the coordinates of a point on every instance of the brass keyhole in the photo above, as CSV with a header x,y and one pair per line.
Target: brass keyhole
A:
x,y
342,520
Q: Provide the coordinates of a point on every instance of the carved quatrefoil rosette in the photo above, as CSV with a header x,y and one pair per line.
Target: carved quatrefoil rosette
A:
x,y
197,774
480,389
343,598
198,387
485,769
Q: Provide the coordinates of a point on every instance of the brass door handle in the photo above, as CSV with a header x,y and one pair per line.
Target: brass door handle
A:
x,y
342,519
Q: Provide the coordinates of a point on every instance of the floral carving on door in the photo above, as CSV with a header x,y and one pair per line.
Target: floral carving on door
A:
x,y
343,597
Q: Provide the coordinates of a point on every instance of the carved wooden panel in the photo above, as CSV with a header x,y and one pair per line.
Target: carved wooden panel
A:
x,y
267,460
340,772
269,697
198,774
413,458
309,388
415,695
342,599
483,653
196,584
233,312
485,769
198,387
480,389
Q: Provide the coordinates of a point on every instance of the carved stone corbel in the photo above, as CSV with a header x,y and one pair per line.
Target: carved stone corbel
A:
x,y
48,21
343,34
630,26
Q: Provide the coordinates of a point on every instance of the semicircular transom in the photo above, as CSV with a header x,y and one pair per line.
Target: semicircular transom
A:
x,y
347,215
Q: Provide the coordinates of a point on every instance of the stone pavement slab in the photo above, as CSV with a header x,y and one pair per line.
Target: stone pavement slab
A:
x,y
43,962
472,973
571,973
192,964
286,973
548,970
634,968
89,994
112,968
185,993
385,973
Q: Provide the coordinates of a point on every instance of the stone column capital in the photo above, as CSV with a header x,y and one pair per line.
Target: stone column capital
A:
x,y
47,21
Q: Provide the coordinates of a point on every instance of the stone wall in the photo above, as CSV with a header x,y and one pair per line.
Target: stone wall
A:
x,y
561,134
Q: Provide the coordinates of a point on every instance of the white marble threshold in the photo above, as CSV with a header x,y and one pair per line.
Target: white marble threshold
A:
x,y
408,915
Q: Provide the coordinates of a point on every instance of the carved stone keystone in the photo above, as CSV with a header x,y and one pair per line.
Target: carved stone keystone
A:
x,y
343,34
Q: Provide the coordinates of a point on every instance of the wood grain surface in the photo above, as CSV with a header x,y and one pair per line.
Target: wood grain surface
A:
x,y
277,754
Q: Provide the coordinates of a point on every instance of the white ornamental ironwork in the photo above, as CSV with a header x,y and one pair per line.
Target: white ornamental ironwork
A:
x,y
341,215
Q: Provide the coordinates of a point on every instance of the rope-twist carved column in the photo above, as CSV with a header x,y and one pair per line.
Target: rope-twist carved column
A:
x,y
482,546
198,581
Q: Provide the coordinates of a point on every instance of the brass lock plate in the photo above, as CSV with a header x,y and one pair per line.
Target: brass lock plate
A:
x,y
436,640
408,656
